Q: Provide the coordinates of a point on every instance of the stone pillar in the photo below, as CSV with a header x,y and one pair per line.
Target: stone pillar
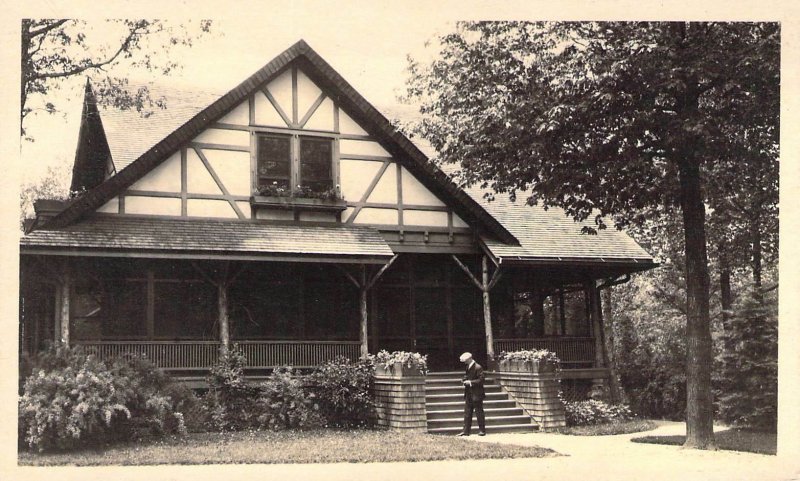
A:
x,y
400,399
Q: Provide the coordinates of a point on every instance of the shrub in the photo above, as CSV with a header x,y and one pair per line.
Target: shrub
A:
x,y
593,412
283,404
343,391
230,403
74,399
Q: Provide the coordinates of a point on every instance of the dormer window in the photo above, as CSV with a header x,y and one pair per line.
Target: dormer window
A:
x,y
293,165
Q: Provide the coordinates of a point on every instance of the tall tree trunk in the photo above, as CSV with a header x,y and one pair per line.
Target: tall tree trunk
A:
x,y
607,321
699,409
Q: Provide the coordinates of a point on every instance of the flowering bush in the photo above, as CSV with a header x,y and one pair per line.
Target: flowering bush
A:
x,y
529,355
343,391
409,359
73,399
586,413
283,404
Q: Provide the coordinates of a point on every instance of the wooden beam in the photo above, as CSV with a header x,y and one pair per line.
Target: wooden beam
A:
x,y
277,107
496,276
466,270
369,190
487,311
380,272
349,276
229,147
184,182
221,186
312,109
295,99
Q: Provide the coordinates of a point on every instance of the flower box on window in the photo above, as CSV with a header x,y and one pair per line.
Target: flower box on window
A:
x,y
299,203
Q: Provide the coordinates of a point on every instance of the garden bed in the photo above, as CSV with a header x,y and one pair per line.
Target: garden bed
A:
x,y
759,442
286,447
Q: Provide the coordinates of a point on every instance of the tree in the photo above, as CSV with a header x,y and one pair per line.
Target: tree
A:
x,y
54,185
607,120
54,50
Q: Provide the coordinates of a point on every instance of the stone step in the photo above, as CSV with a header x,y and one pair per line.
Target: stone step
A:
x,y
489,412
508,428
453,397
456,405
457,389
490,421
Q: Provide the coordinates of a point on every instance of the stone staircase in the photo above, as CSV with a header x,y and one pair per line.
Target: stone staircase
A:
x,y
444,403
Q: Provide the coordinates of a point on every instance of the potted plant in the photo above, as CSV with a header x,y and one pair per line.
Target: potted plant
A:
x,y
535,361
301,197
400,363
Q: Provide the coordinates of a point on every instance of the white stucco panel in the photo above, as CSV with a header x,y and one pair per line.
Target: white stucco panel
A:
x,y
322,118
355,177
416,193
349,126
166,177
198,180
238,116
281,89
386,189
361,147
209,208
152,205
377,216
265,113
307,94
233,169
238,138
425,218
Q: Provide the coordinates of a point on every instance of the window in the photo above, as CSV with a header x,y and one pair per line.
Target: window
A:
x,y
285,162
274,161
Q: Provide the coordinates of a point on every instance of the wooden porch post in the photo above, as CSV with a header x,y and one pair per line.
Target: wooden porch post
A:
x,y
487,310
224,331
66,281
362,288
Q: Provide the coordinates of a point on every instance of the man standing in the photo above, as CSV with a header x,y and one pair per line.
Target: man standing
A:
x,y
473,395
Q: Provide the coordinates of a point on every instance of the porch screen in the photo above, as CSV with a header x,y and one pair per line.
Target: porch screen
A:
x,y
185,310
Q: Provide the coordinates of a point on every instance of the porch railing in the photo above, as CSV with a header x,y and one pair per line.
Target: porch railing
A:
x,y
199,355
572,351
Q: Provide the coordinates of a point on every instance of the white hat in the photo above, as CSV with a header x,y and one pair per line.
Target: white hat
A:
x,y
465,356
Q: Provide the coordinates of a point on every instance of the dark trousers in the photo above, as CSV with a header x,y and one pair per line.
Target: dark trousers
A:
x,y
477,407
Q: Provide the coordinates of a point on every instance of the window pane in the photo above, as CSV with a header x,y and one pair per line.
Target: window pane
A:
x,y
394,315
430,315
316,156
274,160
331,311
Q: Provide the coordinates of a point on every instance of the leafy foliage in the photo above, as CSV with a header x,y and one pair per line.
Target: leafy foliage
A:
x,y
284,404
231,403
343,390
749,382
529,355
58,49
413,360
54,185
73,399
593,412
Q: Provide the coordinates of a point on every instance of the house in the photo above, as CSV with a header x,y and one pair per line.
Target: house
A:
x,y
290,217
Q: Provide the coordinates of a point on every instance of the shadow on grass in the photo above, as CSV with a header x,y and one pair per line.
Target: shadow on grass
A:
x,y
759,442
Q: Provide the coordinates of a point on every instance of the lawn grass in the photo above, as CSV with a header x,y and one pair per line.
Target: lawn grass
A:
x,y
759,442
319,446
608,429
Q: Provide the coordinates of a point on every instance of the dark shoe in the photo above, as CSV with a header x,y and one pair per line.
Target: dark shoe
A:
x,y
482,433
462,434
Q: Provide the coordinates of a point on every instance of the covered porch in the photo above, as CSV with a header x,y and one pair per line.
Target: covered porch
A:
x,y
335,292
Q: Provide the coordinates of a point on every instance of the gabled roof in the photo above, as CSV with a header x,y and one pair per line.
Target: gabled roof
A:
x,y
229,239
324,75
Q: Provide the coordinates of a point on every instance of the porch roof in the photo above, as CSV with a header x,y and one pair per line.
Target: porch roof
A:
x,y
141,236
